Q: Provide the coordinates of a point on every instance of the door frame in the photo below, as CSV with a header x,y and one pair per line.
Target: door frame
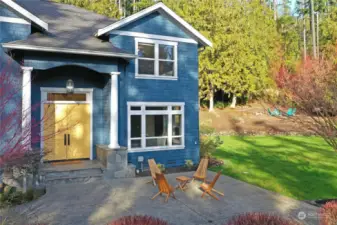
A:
x,y
89,95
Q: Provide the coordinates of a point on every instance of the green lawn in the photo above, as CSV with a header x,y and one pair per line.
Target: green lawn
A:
x,y
304,168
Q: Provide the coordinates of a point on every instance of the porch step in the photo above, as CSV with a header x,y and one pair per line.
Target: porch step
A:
x,y
74,176
83,172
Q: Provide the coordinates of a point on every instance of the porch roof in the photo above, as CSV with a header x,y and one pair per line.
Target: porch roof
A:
x,y
71,30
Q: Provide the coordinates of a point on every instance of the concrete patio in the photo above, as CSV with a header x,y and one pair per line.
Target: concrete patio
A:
x,y
102,201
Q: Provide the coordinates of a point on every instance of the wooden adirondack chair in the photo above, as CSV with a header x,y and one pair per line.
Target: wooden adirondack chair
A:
x,y
201,172
164,187
153,169
209,188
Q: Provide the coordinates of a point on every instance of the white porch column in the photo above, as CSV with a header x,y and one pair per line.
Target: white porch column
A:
x,y
114,111
26,105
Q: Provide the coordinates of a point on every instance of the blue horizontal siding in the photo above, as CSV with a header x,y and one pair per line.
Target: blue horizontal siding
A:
x,y
12,31
13,96
4,11
156,23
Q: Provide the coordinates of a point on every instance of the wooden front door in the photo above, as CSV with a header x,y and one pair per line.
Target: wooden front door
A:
x,y
66,131
79,131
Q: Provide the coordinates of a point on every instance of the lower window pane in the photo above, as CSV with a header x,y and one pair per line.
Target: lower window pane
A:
x,y
136,126
146,67
176,141
136,143
156,142
176,125
166,68
156,125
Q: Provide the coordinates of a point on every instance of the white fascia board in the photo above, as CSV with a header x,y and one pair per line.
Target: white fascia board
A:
x,y
153,36
13,20
25,13
147,11
67,50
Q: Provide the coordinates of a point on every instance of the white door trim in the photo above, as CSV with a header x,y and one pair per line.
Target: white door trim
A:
x,y
88,91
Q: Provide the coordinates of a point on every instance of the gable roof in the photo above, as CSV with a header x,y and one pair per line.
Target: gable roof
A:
x,y
26,14
70,31
157,7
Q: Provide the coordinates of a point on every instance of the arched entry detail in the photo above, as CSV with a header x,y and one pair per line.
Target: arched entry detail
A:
x,y
48,61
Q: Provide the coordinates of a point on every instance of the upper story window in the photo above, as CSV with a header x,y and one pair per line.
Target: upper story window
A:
x,y
156,59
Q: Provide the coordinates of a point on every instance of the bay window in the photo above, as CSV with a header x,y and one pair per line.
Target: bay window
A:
x,y
155,126
156,59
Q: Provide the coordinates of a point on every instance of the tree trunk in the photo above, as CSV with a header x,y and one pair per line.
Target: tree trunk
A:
x,y
120,9
304,33
275,9
314,52
317,36
304,41
211,101
233,102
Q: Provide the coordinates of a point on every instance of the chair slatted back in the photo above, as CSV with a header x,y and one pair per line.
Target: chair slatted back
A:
x,y
153,168
162,183
201,172
215,179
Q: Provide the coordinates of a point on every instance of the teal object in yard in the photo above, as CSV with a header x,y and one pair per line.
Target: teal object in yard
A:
x,y
291,112
276,112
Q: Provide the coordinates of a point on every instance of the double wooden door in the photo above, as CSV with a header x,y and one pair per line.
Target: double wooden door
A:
x,y
66,131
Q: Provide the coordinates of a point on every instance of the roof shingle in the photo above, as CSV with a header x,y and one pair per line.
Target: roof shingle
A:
x,y
70,27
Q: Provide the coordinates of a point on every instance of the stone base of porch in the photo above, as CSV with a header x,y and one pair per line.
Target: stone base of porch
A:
x,y
115,162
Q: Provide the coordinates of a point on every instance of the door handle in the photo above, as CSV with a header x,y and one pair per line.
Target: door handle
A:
x,y
68,139
65,139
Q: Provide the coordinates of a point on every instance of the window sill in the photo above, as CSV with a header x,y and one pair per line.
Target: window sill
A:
x,y
134,150
156,77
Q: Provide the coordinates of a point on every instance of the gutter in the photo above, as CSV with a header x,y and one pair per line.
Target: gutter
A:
x,y
67,51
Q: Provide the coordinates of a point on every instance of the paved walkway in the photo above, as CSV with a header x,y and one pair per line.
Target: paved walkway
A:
x,y
100,202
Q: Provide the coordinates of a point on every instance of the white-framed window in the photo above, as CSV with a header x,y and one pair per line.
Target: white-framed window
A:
x,y
155,126
156,59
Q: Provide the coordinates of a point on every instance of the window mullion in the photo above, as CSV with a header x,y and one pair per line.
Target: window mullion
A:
x,y
143,134
129,127
183,125
169,126
156,56
175,69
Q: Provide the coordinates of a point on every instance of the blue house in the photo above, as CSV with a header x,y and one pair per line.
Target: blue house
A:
x,y
92,80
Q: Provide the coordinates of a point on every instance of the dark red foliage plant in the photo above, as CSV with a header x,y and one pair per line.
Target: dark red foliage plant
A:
x,y
138,220
311,89
328,213
260,219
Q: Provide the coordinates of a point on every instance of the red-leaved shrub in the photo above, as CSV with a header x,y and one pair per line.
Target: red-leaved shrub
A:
x,y
328,213
138,220
260,219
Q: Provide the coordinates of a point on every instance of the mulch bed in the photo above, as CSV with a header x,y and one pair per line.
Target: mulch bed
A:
x,y
320,202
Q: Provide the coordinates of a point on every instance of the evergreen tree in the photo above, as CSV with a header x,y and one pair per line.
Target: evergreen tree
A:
x,y
328,34
107,8
290,40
